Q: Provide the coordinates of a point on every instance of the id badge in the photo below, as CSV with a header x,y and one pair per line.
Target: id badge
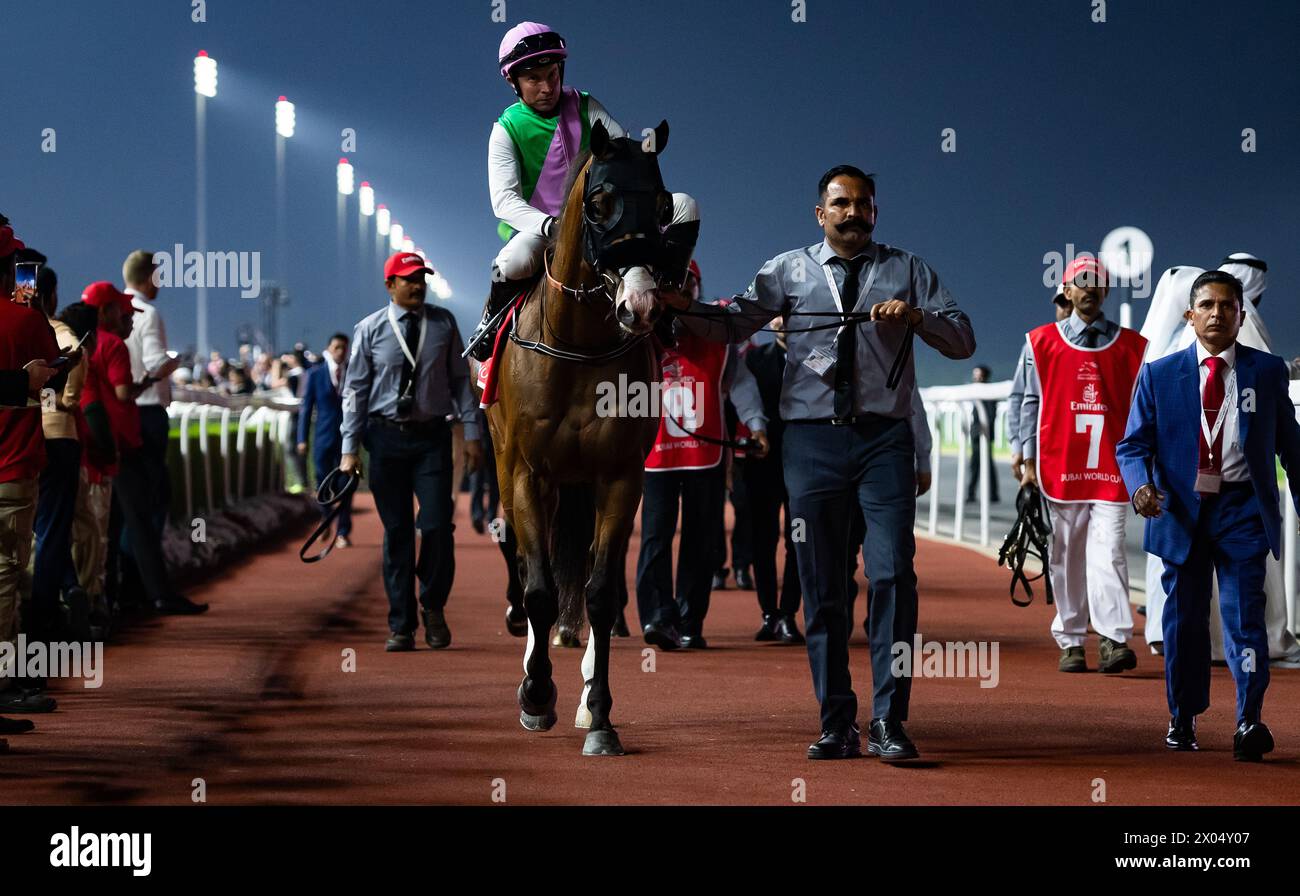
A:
x,y
819,361
1208,483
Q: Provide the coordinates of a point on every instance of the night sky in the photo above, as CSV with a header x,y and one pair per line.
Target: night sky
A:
x,y
1065,129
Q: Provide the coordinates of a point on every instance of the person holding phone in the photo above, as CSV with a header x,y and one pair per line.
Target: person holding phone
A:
x,y
25,338
57,494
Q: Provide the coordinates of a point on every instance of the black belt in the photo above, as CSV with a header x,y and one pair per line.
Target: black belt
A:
x,y
878,419
419,427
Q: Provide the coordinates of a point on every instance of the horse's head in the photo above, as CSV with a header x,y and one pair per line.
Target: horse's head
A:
x,y
625,210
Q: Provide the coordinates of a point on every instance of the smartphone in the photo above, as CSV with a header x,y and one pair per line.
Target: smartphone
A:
x,y
25,282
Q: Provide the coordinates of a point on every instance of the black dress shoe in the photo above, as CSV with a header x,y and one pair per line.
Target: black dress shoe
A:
x,y
620,626
887,739
399,642
837,745
18,700
767,632
178,605
479,526
16,726
664,637
436,633
1182,735
787,631
1251,742
744,581
694,642
720,579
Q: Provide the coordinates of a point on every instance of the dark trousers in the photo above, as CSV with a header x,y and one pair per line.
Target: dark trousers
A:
x,y
700,494
1230,541
327,460
484,491
56,505
827,470
973,477
765,489
155,432
135,494
402,464
742,534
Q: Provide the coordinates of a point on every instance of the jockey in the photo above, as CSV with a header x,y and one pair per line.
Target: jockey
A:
x,y
532,147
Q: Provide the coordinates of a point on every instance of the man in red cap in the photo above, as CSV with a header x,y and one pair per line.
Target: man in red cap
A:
x,y
406,381
25,336
686,468
112,387
1079,380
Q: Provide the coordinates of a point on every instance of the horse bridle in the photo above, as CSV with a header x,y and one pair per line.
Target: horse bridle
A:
x,y
581,295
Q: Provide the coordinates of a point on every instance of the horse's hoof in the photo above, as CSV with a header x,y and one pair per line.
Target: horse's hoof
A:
x,y
537,718
583,719
565,638
602,742
517,622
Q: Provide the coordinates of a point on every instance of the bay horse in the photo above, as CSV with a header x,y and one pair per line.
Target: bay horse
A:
x,y
571,478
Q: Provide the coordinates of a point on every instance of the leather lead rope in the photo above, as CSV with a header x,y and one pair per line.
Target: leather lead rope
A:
x,y
330,495
1028,538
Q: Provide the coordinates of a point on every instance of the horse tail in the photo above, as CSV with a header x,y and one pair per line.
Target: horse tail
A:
x,y
571,538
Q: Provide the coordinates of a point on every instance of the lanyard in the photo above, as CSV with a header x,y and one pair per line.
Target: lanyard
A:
x,y
835,290
401,339
1229,406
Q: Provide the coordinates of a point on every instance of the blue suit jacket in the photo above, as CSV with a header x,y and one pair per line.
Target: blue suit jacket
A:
x,y
1162,443
328,405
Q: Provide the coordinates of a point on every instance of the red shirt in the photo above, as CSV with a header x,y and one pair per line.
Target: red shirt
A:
x,y
25,336
110,367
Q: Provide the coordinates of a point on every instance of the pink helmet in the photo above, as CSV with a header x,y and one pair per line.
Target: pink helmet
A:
x,y
530,41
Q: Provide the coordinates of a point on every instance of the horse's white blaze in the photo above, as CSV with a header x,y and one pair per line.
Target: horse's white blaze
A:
x,y
583,719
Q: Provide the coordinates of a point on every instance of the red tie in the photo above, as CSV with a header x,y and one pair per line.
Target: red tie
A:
x,y
1212,402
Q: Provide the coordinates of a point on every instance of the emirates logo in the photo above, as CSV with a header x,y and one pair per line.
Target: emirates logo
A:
x,y
1090,394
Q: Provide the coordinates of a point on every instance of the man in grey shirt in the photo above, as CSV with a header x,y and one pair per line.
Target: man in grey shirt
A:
x,y
848,439
405,379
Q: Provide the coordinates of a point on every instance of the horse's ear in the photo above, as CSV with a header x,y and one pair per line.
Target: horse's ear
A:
x,y
599,140
661,136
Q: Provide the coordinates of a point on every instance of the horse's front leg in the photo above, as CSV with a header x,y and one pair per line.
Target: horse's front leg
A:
x,y
616,503
530,518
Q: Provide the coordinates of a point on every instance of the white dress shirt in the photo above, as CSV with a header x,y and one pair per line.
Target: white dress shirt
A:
x,y
147,345
1234,460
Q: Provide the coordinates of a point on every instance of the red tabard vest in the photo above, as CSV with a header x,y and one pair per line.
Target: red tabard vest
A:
x,y
1086,394
690,402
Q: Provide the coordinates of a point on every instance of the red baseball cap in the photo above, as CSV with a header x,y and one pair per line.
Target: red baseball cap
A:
x,y
404,264
1090,268
9,244
103,293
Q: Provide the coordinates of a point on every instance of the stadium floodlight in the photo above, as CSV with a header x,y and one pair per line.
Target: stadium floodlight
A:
x,y
383,220
367,199
408,245
395,237
205,75
346,178
285,119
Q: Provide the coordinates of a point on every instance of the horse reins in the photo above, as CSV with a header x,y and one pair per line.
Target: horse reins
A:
x,y
1027,538
330,496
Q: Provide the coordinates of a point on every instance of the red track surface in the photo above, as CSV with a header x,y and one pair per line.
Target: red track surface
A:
x,y
252,699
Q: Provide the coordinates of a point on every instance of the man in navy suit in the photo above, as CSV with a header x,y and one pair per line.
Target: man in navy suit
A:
x,y
1197,458
323,394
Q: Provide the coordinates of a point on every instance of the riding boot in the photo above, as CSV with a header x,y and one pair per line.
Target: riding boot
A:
x,y
481,342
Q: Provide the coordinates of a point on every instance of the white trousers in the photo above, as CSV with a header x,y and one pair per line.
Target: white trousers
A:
x,y
1281,643
521,258
1089,570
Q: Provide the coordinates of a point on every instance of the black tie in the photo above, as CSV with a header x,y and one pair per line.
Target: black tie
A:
x,y
411,327
846,344
1091,338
